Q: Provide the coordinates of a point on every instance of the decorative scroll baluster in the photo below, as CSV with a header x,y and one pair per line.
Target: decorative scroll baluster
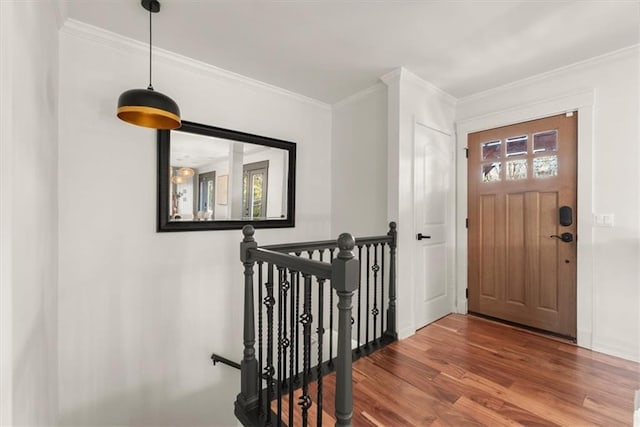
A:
x,y
375,310
320,336
297,336
261,409
331,319
368,270
359,298
391,311
286,285
382,250
247,400
280,339
292,339
306,319
345,281
269,302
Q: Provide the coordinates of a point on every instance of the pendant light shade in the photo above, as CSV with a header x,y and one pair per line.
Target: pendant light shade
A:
x,y
146,107
186,172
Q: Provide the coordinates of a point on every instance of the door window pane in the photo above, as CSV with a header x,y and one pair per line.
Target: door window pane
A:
x,y
210,196
491,150
256,211
491,172
517,169
545,166
545,141
517,145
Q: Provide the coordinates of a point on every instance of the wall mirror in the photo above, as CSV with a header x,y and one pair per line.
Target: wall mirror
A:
x,y
211,178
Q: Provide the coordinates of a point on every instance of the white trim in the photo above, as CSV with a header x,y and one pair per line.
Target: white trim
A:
x,y
6,216
403,73
98,35
391,76
633,49
437,128
378,86
583,102
61,9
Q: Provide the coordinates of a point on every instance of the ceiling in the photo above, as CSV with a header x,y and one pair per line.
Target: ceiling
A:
x,y
331,49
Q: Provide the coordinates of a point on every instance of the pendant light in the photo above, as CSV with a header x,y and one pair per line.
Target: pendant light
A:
x,y
146,107
186,172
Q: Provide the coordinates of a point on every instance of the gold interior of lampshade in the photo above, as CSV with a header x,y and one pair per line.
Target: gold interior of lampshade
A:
x,y
148,117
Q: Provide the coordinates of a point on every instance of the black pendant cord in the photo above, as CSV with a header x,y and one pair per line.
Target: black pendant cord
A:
x,y
150,87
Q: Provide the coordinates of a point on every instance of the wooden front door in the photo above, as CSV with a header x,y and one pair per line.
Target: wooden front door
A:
x,y
522,223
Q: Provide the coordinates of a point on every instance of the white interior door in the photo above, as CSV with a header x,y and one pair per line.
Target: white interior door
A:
x,y
433,161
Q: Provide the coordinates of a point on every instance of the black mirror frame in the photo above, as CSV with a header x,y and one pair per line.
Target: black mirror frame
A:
x,y
164,150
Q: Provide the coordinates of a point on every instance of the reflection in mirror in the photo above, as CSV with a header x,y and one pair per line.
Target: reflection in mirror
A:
x,y
217,178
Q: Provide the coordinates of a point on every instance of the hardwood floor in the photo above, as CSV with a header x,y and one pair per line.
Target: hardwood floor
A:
x,y
463,371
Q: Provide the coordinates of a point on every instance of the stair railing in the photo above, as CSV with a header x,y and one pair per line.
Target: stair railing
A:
x,y
285,270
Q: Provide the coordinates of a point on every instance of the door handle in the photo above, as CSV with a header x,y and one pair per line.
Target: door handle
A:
x,y
565,237
421,236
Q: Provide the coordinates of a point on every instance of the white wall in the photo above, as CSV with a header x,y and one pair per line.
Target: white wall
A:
x,y
141,312
29,213
359,163
608,182
411,101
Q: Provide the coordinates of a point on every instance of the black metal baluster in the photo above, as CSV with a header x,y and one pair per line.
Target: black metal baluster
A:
x,y
392,331
280,341
286,285
292,339
297,316
375,310
331,317
359,286
306,319
367,311
320,335
269,369
260,408
382,248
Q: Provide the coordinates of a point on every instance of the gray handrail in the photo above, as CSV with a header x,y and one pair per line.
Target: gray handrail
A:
x,y
319,269
325,244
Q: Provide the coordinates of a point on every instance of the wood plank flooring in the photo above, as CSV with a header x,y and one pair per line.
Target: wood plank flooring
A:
x,y
466,371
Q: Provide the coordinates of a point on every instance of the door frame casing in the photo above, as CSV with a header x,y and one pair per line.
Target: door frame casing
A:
x,y
583,103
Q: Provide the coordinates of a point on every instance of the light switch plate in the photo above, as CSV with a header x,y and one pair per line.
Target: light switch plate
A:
x,y
603,220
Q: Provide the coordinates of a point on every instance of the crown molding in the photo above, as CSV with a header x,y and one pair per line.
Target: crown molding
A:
x,y
116,41
392,76
402,73
377,87
619,53
61,9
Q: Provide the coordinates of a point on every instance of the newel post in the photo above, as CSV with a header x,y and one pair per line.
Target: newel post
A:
x,y
344,279
392,330
247,400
